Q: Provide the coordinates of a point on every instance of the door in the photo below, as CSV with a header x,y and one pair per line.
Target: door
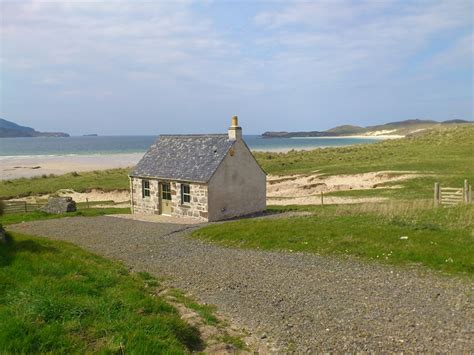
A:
x,y
165,198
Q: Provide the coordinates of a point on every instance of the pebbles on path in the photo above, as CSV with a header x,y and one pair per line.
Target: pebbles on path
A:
x,y
297,301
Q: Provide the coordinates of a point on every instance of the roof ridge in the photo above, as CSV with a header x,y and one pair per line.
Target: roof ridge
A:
x,y
194,135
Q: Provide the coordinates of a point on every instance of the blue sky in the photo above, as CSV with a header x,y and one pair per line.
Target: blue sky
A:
x,y
131,67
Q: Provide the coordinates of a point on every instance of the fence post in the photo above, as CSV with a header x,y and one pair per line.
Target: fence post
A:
x,y
436,194
465,191
322,198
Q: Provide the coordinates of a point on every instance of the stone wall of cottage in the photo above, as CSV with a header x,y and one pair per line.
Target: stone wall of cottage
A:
x,y
197,208
144,205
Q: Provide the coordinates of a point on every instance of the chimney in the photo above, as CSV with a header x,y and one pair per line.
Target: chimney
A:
x,y
235,131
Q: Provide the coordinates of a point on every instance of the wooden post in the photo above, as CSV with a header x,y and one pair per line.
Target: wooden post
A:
x,y
322,198
87,201
466,191
436,194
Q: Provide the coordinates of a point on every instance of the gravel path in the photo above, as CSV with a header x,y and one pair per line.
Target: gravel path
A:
x,y
298,302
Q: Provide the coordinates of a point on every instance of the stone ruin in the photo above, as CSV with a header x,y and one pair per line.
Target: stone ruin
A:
x,y
59,205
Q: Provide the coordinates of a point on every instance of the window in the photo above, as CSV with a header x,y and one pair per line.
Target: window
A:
x,y
185,193
166,191
145,188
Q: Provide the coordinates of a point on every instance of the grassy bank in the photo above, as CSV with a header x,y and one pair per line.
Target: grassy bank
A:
x,y
106,180
55,297
444,155
38,215
440,239
443,151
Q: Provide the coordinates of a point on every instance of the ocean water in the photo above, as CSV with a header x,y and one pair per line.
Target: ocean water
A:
x,y
138,144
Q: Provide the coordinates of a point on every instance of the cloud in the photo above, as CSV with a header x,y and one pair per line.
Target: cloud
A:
x,y
161,38
333,40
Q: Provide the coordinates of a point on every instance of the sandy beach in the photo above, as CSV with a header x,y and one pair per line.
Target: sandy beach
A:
x,y
30,166
360,136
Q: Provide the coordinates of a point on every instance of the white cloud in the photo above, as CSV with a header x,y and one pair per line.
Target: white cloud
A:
x,y
159,37
330,40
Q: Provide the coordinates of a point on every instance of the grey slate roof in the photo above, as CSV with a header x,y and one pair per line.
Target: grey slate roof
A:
x,y
184,157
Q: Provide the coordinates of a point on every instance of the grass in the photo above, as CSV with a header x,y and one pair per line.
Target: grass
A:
x,y
55,297
205,311
445,154
38,215
106,180
440,239
439,151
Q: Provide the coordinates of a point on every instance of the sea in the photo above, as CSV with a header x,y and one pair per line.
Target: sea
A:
x,y
87,145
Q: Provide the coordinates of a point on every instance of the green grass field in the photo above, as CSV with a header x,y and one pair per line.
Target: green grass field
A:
x,y
106,180
441,239
55,297
38,215
444,151
445,155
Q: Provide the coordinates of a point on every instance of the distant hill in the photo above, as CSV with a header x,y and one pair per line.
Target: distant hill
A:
x,y
346,129
11,129
398,128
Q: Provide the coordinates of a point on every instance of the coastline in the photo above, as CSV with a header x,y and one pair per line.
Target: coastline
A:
x,y
379,137
14,167
27,166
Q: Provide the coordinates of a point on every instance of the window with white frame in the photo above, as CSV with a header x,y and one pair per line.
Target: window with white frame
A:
x,y
145,188
185,194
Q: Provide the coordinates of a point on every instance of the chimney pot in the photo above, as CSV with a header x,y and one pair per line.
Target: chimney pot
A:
x,y
235,121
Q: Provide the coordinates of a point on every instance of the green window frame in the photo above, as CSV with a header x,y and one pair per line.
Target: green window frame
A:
x,y
146,188
185,194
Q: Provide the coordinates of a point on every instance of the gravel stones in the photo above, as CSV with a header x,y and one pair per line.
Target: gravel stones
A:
x,y
295,301
59,205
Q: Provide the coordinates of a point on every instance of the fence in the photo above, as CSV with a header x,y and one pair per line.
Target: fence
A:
x,y
451,196
20,206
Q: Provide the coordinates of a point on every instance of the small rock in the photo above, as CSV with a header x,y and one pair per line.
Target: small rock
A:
x,y
404,237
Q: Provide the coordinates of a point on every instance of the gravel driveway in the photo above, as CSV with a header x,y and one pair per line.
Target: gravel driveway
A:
x,y
298,302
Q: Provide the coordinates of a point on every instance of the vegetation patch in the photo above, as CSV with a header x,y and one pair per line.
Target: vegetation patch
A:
x,y
445,154
440,239
38,215
106,180
55,297
206,312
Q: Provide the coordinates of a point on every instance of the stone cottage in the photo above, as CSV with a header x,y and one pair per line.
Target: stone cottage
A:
x,y
210,177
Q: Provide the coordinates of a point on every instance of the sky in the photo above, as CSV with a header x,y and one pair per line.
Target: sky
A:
x,y
135,67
